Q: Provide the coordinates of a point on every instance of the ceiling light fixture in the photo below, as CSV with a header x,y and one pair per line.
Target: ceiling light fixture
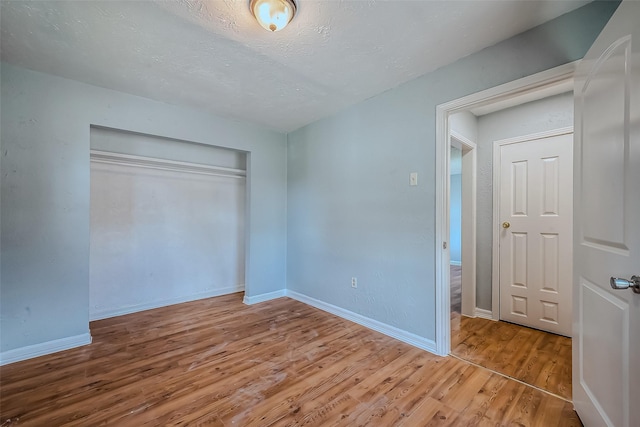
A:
x,y
273,15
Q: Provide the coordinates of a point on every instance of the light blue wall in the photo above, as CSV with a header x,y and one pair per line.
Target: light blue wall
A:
x,y
351,211
464,123
455,218
44,288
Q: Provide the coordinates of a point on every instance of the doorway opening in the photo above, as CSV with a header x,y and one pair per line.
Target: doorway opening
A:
x,y
472,332
462,217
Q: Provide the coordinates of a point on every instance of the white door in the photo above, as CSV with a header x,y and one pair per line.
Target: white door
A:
x,y
536,236
606,336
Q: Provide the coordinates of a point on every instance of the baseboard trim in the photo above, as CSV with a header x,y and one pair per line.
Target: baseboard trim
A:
x,y
41,349
484,314
392,331
263,297
120,311
456,263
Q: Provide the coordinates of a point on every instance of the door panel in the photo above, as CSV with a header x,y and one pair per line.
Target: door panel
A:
x,y
535,249
606,341
550,261
519,188
598,344
550,180
604,153
519,259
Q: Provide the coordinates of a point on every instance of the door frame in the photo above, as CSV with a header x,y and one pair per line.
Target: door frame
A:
x,y
468,222
536,82
496,185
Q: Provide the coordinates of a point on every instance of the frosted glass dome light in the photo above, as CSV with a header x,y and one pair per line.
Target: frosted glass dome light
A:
x,y
273,15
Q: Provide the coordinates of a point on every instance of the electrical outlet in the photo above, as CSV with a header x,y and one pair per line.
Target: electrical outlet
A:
x,y
354,282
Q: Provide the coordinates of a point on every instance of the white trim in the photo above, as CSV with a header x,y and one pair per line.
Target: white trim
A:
x,y
41,349
383,328
455,263
532,137
517,87
495,252
463,140
442,273
263,297
120,159
521,86
495,236
468,223
484,314
120,311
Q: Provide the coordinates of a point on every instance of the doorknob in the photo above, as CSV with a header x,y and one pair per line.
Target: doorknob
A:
x,y
634,283
506,224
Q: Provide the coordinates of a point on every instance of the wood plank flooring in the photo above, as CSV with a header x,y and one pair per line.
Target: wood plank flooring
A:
x,y
218,362
535,357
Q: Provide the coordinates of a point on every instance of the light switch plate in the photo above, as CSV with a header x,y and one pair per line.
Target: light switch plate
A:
x,y
413,178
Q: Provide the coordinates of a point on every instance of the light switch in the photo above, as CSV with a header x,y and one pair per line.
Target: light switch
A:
x,y
413,178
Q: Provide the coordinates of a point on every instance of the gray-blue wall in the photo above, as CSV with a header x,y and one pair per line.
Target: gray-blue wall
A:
x,y
44,288
351,211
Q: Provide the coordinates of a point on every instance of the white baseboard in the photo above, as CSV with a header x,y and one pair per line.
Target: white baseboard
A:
x,y
484,314
263,297
35,350
119,311
456,263
392,331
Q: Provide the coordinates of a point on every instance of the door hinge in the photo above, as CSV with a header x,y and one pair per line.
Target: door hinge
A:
x,y
444,245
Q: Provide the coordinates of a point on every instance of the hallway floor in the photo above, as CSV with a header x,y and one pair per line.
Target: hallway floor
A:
x,y
537,358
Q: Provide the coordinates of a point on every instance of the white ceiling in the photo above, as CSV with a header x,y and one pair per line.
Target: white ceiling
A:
x,y
212,55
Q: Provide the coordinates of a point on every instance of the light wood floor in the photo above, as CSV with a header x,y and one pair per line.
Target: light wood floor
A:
x,y
218,362
535,357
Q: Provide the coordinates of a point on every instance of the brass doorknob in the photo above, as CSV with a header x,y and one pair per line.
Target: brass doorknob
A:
x,y
506,224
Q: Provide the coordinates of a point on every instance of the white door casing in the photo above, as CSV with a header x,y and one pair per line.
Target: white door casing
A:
x,y
544,80
534,191
606,337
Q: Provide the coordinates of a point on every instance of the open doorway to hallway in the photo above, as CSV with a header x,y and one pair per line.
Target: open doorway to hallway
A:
x,y
535,357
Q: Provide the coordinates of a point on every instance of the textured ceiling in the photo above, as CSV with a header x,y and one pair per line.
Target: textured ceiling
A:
x,y
212,55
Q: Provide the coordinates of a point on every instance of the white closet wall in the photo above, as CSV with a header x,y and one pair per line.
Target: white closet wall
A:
x,y
167,222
